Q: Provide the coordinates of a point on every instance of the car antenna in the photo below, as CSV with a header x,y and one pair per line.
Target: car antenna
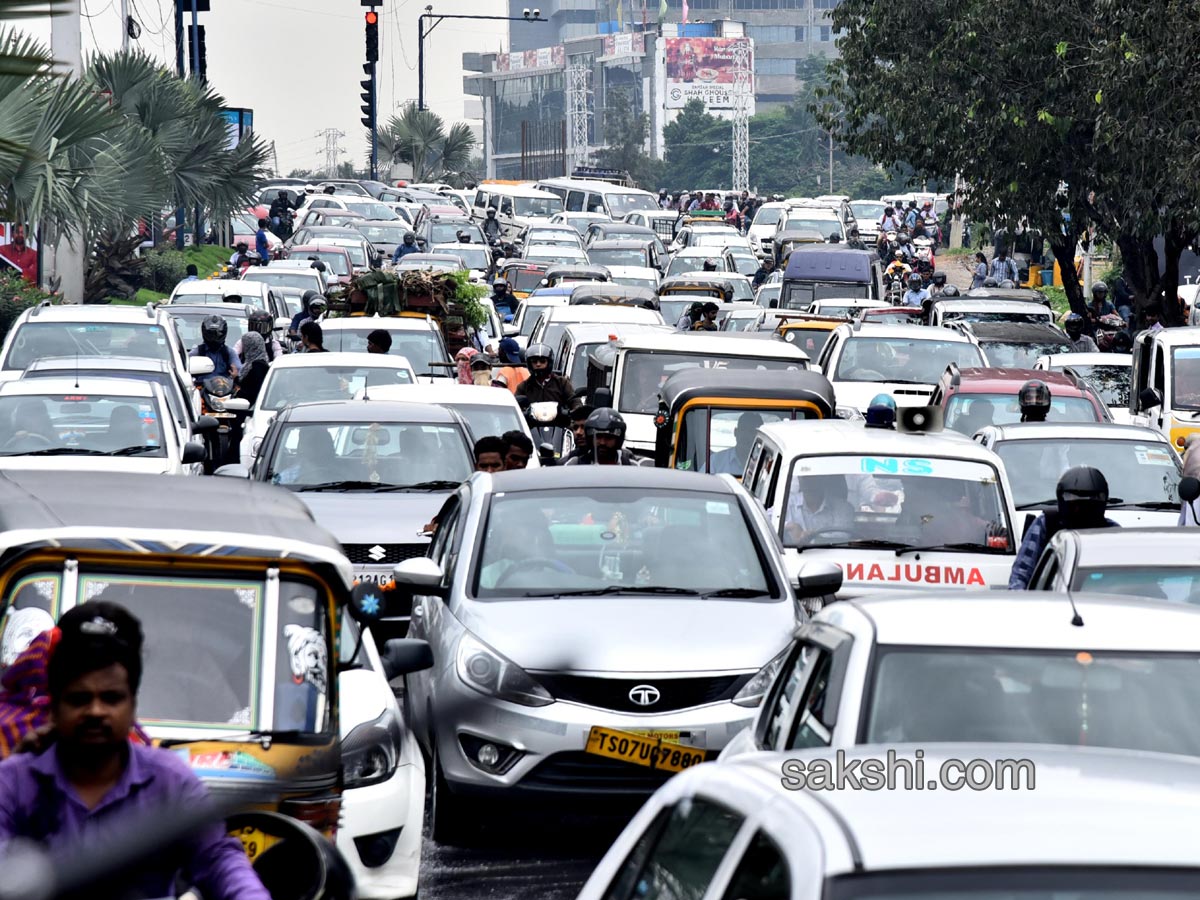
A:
x,y
1076,619
76,368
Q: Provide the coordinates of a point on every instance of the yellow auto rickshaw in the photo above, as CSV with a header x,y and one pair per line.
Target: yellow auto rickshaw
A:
x,y
809,333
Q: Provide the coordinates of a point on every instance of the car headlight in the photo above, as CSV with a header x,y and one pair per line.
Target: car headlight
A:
x,y
371,752
483,669
756,688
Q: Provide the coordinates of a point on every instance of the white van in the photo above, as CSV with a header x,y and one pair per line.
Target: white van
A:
x,y
613,200
517,206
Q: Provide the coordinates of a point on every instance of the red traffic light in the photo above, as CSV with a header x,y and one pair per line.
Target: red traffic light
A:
x,y
372,17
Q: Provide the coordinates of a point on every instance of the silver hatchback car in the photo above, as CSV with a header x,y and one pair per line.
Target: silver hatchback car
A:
x,y
595,629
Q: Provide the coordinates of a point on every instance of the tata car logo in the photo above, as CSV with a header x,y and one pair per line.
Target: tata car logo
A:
x,y
377,553
644,694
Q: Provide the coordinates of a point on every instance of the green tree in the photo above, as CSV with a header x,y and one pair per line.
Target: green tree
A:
x,y
420,139
625,142
696,149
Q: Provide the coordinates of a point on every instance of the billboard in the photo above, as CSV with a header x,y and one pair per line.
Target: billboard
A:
x,y
702,68
626,44
238,124
541,58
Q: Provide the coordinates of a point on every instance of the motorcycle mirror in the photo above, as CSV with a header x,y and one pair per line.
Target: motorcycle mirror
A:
x,y
200,365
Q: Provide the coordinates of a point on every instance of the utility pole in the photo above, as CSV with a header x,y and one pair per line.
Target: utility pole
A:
x,y
125,26
332,136
62,261
831,162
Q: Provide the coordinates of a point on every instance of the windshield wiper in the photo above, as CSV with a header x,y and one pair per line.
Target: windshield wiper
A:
x,y
60,451
864,544
613,589
736,593
345,486
1145,504
426,486
960,547
131,451
263,737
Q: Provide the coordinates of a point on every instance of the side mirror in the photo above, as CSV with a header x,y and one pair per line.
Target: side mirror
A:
x,y
421,575
233,470
236,404
818,579
205,424
403,656
200,365
1149,398
283,323
602,396
194,452
510,330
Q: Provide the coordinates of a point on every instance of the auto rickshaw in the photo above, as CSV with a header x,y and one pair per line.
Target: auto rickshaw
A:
x,y
809,333
241,597
613,295
707,418
574,274
523,277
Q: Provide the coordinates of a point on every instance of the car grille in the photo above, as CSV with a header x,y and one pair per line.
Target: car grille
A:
x,y
579,772
614,693
361,554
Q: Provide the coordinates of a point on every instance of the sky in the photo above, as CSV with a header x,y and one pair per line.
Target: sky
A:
x,y
298,63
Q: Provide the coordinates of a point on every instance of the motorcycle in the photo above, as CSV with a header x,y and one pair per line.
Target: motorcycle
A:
x,y
894,289
548,421
217,401
923,262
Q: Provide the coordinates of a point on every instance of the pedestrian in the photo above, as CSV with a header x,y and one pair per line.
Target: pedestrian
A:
x,y
193,274
312,337
1153,316
379,341
21,255
462,364
489,454
1003,268
261,243
981,271
517,450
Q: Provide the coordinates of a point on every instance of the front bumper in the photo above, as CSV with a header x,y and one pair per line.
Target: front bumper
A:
x,y
371,816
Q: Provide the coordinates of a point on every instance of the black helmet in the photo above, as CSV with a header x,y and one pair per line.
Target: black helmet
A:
x,y
1073,325
950,290
662,192
1082,497
1100,289
710,265
213,331
539,351
605,420
409,237
260,320
939,278
914,278
1034,400
308,298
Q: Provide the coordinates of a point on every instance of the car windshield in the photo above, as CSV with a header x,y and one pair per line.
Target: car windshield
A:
x,y
1012,883
384,234
420,348
1132,701
43,340
1019,355
902,360
554,256
768,215
339,218
717,441
537,207
1185,378
379,454
525,279
1022,318
620,205
532,312
1138,473
447,232
800,295
187,326
967,413
308,384
767,293
163,379
485,419
601,257
299,281
911,501
338,263
714,237
867,212
474,256
81,423
372,210
644,372
1175,584
631,281
1110,382
683,264
824,227
596,540
358,256
811,340
745,263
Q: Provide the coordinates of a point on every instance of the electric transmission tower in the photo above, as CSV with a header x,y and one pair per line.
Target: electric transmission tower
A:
x,y
332,150
578,83
743,95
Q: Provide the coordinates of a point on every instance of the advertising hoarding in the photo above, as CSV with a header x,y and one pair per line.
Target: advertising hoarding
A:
x,y
542,58
702,68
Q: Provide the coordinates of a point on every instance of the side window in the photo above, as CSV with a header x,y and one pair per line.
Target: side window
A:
x,y
676,857
506,206
764,476
595,203
752,462
784,696
493,201
827,355
762,873
1045,573
480,199
448,520
575,201
810,729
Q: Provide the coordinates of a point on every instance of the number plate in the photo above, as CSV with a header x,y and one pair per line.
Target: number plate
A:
x,y
379,578
255,842
642,750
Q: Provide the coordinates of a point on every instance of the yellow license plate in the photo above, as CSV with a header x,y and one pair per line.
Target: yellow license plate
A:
x,y
642,750
255,841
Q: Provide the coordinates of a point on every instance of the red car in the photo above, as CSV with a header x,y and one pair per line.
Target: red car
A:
x,y
974,398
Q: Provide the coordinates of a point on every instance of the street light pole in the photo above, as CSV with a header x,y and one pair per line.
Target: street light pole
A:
x,y
436,20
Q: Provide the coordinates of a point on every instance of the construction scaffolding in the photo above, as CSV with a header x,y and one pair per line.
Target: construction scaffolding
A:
x,y
578,93
743,96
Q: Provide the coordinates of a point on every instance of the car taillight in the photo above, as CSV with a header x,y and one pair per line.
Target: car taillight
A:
x,y
321,814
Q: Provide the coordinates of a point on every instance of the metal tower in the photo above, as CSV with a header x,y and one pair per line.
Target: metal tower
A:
x,y
742,97
578,82
332,150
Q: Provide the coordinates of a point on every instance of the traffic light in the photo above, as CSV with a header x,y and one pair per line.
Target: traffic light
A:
x,y
372,18
368,104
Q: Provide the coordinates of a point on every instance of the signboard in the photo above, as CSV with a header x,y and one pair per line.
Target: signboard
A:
x,y
702,69
626,44
542,58
238,124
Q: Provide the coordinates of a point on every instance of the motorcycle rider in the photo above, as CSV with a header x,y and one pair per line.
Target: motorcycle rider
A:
x,y
1034,399
312,307
1080,342
889,221
916,293
898,267
578,416
1082,497
708,318
664,202
213,331
281,215
1002,267
604,441
464,237
710,265
491,227
260,321
854,241
503,298
407,246
763,273
937,284
513,369
543,385
240,256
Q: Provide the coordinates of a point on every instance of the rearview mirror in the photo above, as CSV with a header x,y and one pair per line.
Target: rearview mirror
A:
x,y
1149,398
194,452
420,573
1189,489
283,323
200,365
510,330
819,579
205,424
366,603
602,397
403,656
236,404
232,471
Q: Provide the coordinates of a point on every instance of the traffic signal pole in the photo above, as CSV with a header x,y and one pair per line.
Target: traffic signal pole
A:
x,y
370,86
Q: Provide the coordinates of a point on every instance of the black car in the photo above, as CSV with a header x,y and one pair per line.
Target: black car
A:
x,y
1015,345
435,230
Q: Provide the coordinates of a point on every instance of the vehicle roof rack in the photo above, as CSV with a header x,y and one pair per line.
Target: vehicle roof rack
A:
x,y
37,309
955,374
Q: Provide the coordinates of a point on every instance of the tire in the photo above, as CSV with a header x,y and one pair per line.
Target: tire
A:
x,y
452,822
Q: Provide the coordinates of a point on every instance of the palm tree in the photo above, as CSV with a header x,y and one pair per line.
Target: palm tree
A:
x,y
419,138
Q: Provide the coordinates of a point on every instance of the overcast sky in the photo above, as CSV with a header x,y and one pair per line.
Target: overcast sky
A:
x,y
298,63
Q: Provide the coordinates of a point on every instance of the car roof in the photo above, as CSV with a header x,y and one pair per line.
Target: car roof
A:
x,y
237,310
450,393
831,437
90,312
588,332
387,323
989,305
1133,547
1016,332
322,246
360,359
911,332
1174,337
1079,813
369,411
570,477
69,384
117,363
602,313
701,342
977,379
618,244
1032,431
220,286
624,228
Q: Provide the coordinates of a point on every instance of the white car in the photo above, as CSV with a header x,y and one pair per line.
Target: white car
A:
x,y
578,220
847,307
554,235
418,339
762,229
529,312
1139,463
383,801
555,320
896,511
982,309
477,258
218,291
692,259
94,424
315,377
862,361
1109,373
287,275
554,254
635,276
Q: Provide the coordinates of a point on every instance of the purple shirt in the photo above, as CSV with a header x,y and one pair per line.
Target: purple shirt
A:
x,y
37,802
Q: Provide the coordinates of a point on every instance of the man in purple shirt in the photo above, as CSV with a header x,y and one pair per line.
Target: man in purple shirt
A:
x,y
92,781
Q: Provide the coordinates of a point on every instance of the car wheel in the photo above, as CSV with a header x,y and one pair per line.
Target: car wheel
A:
x,y
451,822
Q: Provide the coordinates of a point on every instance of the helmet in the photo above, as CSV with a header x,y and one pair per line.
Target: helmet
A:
x,y
939,278
950,290
898,255
1100,289
605,420
1082,495
260,320
1007,284
539,351
914,279
499,284
491,212
990,282
409,237
1073,325
662,192
903,238
710,265
881,413
1034,400
307,300
213,330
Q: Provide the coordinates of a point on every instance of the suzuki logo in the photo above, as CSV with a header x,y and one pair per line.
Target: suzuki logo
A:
x,y
644,694
377,553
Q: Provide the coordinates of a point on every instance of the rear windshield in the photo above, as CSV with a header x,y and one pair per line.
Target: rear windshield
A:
x,y
42,340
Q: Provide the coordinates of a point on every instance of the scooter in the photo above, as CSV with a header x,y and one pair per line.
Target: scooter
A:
x,y
217,401
548,422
